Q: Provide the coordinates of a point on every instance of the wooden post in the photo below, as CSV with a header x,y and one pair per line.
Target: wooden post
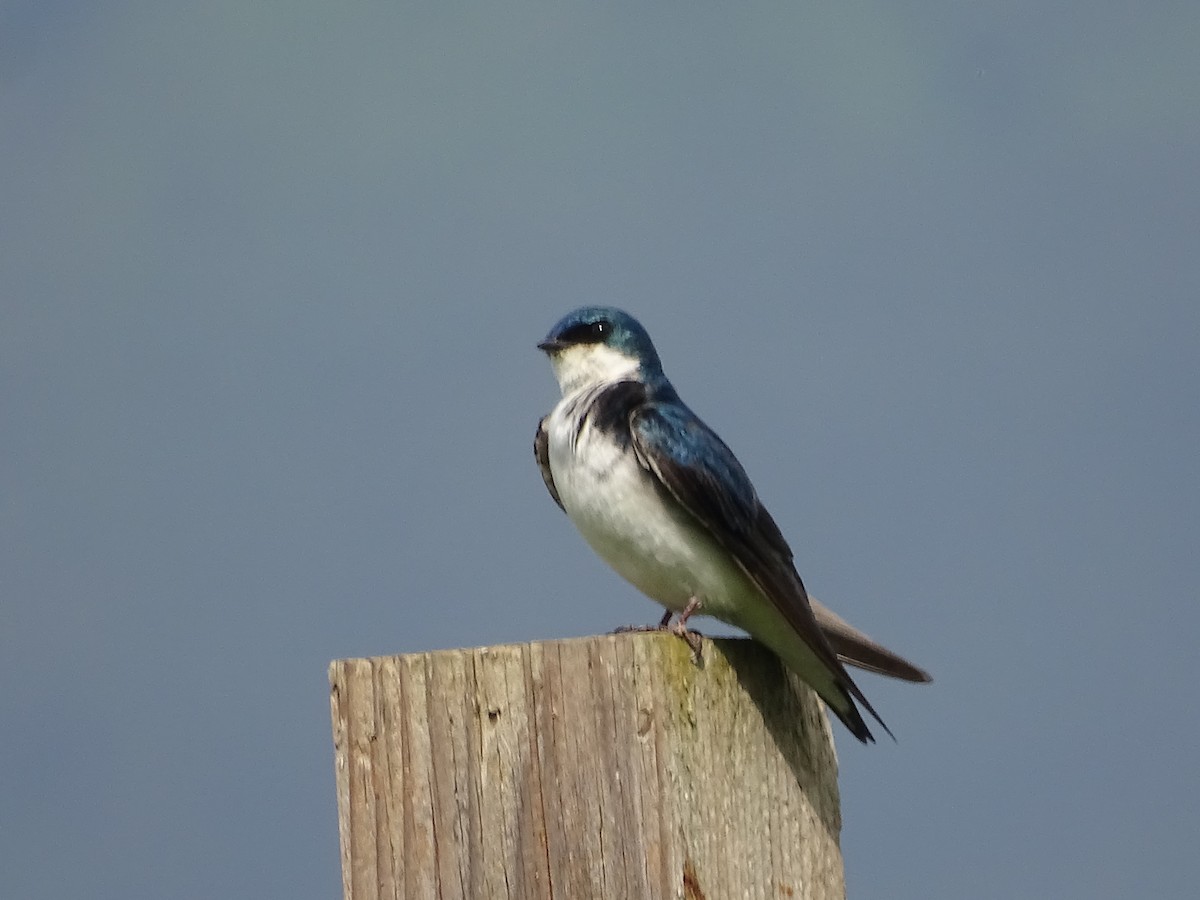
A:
x,y
602,767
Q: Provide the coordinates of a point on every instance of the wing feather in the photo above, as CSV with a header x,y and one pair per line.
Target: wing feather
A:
x,y
541,452
704,476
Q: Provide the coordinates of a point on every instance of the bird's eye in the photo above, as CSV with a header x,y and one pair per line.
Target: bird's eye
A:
x,y
587,332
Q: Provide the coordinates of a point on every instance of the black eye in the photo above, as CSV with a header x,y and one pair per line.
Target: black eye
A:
x,y
586,332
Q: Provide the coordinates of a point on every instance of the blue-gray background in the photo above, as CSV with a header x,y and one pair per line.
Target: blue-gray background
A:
x,y
272,276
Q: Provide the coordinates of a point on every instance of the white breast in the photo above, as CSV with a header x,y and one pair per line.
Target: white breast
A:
x,y
621,513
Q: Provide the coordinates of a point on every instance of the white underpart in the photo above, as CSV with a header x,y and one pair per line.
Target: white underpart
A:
x,y
655,545
582,365
613,503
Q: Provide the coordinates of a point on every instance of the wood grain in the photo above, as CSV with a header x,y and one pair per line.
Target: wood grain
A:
x,y
607,767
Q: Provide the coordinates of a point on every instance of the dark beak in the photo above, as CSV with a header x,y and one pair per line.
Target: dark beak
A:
x,y
551,346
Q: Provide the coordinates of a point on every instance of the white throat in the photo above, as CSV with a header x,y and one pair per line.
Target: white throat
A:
x,y
586,365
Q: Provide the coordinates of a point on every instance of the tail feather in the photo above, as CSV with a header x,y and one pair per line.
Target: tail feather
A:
x,y
856,649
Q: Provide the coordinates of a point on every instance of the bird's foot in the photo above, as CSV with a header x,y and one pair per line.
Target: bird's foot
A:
x,y
694,639
661,626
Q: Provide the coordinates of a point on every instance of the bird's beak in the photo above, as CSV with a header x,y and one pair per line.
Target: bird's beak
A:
x,y
551,346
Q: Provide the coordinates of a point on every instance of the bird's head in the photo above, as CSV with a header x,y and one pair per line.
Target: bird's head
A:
x,y
597,344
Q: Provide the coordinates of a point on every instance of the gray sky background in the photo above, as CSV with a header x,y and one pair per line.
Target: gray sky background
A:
x,y
272,279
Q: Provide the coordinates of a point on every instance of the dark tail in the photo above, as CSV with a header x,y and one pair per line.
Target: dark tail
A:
x,y
856,649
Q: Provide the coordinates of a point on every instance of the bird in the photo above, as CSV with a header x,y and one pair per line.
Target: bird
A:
x,y
664,501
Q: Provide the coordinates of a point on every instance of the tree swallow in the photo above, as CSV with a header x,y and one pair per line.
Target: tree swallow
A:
x,y
665,502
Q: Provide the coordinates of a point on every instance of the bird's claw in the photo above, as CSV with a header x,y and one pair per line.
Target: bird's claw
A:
x,y
661,626
627,629
694,639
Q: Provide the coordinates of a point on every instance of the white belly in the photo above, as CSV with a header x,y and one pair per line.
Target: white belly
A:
x,y
653,544
658,547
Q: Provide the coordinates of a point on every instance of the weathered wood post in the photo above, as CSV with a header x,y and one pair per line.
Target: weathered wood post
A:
x,y
603,767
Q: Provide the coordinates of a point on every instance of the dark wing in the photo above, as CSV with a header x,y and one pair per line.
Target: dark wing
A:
x,y
704,476
856,649
541,452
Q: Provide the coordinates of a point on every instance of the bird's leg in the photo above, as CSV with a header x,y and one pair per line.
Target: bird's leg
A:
x,y
694,638
693,606
661,626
